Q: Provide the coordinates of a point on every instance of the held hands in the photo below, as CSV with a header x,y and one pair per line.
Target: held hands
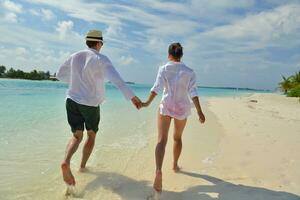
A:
x,y
152,95
145,104
136,102
139,104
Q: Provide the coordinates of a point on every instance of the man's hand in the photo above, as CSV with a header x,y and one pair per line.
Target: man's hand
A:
x,y
136,102
201,117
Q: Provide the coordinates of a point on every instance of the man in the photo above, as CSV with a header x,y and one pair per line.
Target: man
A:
x,y
85,72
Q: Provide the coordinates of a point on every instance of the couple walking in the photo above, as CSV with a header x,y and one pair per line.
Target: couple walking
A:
x,y
85,72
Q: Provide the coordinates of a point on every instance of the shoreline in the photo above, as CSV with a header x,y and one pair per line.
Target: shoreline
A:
x,y
150,85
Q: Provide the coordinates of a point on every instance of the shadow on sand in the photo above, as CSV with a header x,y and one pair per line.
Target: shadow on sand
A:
x,y
130,189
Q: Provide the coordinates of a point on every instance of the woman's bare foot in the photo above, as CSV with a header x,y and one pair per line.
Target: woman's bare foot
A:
x,y
158,182
67,174
176,168
83,169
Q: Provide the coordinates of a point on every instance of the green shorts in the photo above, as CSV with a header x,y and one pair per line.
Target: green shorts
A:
x,y
80,115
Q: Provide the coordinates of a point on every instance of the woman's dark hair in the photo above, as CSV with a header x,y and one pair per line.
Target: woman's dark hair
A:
x,y
175,50
91,44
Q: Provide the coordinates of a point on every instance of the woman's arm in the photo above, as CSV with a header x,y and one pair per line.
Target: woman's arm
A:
x,y
152,95
157,87
194,96
199,110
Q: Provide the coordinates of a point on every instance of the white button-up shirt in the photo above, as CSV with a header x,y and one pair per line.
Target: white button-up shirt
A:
x,y
179,86
85,71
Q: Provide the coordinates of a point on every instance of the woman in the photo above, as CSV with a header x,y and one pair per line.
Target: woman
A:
x,y
178,83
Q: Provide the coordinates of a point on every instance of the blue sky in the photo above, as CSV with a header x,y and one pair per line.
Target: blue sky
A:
x,y
238,43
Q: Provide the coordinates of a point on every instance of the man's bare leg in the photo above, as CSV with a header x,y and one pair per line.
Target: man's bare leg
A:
x,y
87,149
177,147
70,150
163,128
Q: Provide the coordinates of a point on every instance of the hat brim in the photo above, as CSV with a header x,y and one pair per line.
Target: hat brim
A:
x,y
92,39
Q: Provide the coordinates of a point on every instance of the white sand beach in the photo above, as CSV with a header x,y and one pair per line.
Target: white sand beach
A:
x,y
248,149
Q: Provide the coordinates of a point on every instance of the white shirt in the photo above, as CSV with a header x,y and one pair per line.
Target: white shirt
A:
x,y
85,71
179,86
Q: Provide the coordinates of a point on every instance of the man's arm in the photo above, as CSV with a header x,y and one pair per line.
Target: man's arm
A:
x,y
64,72
113,76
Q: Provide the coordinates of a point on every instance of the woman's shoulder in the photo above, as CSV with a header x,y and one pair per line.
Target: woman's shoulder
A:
x,y
185,68
163,67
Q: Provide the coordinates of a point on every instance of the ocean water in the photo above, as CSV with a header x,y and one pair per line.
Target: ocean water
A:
x,y
34,132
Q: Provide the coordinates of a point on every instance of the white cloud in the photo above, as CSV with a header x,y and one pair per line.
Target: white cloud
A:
x,y
45,14
34,12
262,27
127,60
9,11
10,17
29,38
223,4
274,28
28,59
11,6
20,51
113,31
91,12
64,28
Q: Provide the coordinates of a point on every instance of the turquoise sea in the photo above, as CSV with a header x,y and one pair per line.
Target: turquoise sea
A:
x,y
34,130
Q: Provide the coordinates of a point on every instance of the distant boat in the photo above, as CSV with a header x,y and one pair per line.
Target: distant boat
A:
x,y
132,83
127,82
53,78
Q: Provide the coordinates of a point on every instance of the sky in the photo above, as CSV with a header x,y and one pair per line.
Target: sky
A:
x,y
228,43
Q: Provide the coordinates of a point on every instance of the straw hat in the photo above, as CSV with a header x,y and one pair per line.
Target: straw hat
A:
x,y
94,35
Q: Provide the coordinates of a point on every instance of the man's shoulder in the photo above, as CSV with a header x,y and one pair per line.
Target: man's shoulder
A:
x,y
103,58
90,53
78,53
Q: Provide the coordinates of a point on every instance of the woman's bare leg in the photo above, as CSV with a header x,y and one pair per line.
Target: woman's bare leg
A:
x,y
177,147
163,128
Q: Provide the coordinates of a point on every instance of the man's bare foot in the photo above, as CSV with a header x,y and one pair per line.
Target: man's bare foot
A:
x,y
158,182
67,174
176,168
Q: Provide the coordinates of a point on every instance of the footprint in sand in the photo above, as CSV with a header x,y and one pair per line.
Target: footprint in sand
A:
x,y
154,196
208,160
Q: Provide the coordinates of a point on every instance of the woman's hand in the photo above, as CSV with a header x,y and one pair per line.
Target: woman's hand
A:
x,y
145,104
201,117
